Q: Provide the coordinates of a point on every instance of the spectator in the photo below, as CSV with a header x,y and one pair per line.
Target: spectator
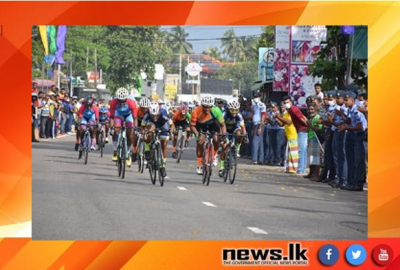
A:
x,y
259,114
314,147
276,135
299,121
34,115
44,117
328,174
248,121
355,151
318,91
292,152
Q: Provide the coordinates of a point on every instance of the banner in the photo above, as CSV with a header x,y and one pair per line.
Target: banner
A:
x,y
281,59
301,84
265,63
51,31
62,31
170,91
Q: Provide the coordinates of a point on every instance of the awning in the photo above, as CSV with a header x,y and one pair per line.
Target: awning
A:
x,y
259,84
360,47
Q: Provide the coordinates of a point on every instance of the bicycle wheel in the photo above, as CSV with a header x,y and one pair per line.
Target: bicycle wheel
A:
x,y
227,162
120,157
101,142
86,148
152,167
123,154
180,145
140,156
232,165
205,170
159,162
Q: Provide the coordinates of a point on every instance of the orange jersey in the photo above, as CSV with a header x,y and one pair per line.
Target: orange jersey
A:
x,y
178,116
141,112
215,116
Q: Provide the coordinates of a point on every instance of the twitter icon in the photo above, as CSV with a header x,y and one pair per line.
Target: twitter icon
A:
x,y
356,254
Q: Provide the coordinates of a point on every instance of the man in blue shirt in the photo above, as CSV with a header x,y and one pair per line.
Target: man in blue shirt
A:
x,y
259,113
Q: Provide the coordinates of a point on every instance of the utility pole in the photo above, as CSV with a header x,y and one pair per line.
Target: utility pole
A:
x,y
95,68
70,77
180,74
87,58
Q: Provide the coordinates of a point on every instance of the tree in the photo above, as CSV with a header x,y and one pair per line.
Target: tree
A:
x,y
177,40
267,38
232,45
250,51
213,52
242,75
132,49
331,62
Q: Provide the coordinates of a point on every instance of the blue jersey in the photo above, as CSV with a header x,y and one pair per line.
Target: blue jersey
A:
x,y
233,122
162,119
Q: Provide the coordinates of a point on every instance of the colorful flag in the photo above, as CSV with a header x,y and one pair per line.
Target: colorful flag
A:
x,y
43,35
52,35
62,31
348,29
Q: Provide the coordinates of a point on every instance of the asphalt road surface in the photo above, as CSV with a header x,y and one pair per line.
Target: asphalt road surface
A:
x,y
73,201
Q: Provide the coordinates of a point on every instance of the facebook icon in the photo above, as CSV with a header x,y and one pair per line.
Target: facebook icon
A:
x,y
328,255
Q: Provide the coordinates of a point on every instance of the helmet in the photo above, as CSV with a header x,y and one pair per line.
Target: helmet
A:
x,y
154,109
144,103
103,109
233,105
207,100
89,100
184,108
122,94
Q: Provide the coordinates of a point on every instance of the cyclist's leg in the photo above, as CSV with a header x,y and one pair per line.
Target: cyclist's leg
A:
x,y
216,140
129,131
92,121
147,140
239,140
117,128
187,128
200,146
164,141
83,127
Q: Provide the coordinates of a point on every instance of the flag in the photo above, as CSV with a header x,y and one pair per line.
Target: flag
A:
x,y
43,35
348,29
62,31
52,34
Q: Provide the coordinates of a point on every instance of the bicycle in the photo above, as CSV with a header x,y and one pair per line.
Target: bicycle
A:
x,y
180,143
122,152
156,158
208,158
85,144
140,151
102,142
231,159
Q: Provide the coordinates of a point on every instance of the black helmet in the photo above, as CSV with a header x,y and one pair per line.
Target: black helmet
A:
x,y
89,100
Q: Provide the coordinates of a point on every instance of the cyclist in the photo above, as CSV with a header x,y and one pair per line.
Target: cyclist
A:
x,y
88,114
181,118
122,110
157,117
104,118
144,105
234,125
206,118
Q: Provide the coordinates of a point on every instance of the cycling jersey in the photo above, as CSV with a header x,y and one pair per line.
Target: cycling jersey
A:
x,y
126,112
233,122
104,117
199,117
178,116
141,112
88,115
163,122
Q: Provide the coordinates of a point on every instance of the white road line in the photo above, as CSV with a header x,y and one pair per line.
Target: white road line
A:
x,y
166,177
209,204
257,230
181,188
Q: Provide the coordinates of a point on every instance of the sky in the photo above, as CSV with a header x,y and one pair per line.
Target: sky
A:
x,y
210,34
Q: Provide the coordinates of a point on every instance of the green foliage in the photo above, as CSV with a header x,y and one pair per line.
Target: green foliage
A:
x,y
213,52
242,75
267,38
177,41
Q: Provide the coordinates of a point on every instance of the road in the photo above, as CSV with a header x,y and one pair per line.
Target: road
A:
x,y
73,201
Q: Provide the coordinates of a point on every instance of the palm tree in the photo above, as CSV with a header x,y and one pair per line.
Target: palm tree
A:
x,y
232,46
250,48
177,40
213,52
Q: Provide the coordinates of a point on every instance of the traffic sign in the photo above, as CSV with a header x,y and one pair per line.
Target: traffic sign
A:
x,y
193,69
193,81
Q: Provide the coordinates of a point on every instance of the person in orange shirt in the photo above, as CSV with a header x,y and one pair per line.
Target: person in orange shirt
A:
x,y
144,105
181,118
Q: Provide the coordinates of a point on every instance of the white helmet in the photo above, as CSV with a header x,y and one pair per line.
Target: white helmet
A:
x,y
207,100
233,105
154,109
144,103
122,93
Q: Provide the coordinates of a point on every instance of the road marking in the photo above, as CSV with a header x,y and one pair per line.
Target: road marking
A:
x,y
257,230
365,189
181,188
209,204
166,177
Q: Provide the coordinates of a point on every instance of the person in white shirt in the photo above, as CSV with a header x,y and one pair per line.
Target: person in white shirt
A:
x,y
318,90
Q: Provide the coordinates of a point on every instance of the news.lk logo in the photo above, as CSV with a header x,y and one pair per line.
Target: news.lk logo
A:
x,y
382,254
356,254
328,255
296,256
